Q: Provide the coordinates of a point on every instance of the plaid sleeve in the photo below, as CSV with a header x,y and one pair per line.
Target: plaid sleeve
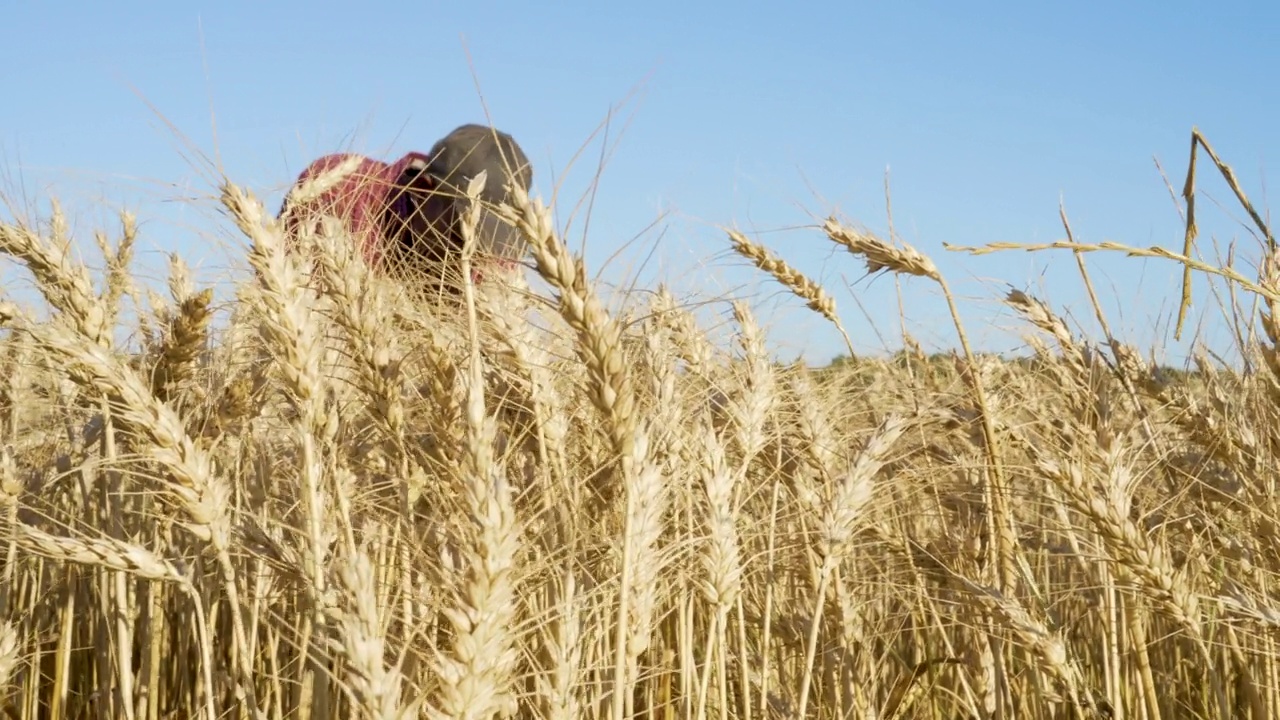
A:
x,y
356,200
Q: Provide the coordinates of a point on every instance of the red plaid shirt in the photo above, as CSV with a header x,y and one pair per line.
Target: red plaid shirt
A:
x,y
360,198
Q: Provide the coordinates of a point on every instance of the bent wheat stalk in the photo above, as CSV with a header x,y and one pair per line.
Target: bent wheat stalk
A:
x,y
816,298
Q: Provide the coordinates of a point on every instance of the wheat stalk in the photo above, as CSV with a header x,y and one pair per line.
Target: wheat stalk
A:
x,y
815,297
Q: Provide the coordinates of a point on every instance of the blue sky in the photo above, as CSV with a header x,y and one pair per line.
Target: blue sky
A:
x,y
986,114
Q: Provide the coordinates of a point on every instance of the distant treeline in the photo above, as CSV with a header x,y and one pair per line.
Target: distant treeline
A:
x,y
906,358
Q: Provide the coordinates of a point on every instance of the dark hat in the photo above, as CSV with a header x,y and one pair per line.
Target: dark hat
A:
x,y
460,156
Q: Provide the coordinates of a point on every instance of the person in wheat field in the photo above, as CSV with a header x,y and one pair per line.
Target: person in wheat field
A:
x,y
406,215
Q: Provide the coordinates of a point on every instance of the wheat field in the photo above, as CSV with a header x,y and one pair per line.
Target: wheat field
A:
x,y
345,502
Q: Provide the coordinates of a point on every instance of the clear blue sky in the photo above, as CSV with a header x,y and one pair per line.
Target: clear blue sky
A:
x,y
987,114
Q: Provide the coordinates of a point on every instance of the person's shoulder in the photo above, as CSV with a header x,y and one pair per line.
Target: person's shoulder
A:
x,y
333,161
412,160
